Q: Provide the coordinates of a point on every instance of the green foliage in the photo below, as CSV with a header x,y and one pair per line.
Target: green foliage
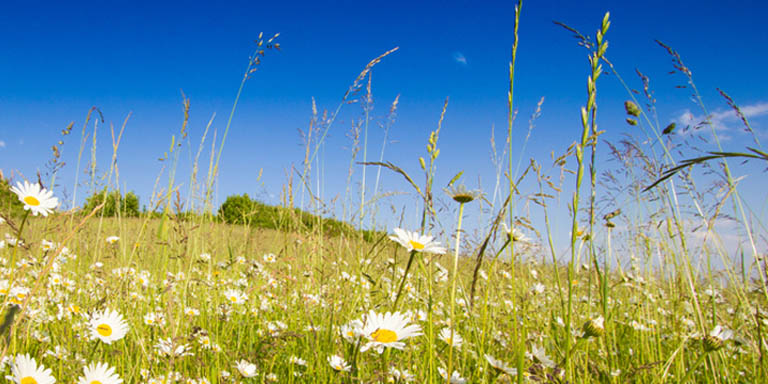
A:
x,y
9,202
241,209
128,204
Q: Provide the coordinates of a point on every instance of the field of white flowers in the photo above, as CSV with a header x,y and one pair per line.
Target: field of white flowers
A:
x,y
168,297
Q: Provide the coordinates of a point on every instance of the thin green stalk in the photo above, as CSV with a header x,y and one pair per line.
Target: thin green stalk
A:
x,y
449,369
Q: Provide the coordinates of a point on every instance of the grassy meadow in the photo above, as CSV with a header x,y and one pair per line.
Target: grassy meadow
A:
x,y
178,295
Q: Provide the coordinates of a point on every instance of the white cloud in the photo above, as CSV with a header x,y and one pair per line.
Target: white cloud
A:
x,y
459,58
2,144
722,120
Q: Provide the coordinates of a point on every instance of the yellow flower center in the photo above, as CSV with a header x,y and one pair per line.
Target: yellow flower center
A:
x,y
95,382
338,367
28,380
104,330
33,201
233,299
416,245
384,336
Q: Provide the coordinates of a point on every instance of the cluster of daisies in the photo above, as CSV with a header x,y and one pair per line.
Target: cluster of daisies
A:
x,y
265,299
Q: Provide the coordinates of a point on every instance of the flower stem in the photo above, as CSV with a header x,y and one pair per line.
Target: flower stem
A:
x,y
405,276
449,370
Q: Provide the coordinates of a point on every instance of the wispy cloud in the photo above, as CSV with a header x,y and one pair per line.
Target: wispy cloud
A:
x,y
460,58
722,120
2,144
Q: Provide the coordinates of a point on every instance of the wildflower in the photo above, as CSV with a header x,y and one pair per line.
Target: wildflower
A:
x,y
297,360
386,330
515,235
594,327
401,376
112,240
246,369
445,335
455,377
461,194
108,326
166,347
500,366
412,241
351,331
26,371
47,245
538,288
338,364
35,199
235,297
717,338
541,355
100,373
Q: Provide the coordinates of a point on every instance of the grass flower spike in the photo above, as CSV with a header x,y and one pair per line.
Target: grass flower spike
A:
x,y
108,326
412,241
35,199
25,370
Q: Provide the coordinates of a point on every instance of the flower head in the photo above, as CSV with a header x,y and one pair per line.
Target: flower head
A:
x,y
246,368
455,376
387,330
338,364
412,241
99,373
594,327
717,338
35,199
461,194
500,366
108,326
25,370
456,340
111,240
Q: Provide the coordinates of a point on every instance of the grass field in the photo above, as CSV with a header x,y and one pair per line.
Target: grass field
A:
x,y
168,297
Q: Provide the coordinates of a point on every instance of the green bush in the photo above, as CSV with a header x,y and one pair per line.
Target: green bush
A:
x,y
9,202
128,204
241,209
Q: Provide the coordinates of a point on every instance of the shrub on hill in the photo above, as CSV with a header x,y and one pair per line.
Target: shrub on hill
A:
x,y
128,205
241,209
9,202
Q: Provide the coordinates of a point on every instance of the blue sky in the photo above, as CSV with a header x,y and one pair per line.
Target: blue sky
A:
x,y
60,58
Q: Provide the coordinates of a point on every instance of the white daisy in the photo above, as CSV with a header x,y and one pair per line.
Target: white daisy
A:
x,y
500,366
99,373
445,335
111,240
235,297
108,326
386,330
412,241
515,235
455,377
541,355
246,369
338,364
35,199
716,338
25,370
